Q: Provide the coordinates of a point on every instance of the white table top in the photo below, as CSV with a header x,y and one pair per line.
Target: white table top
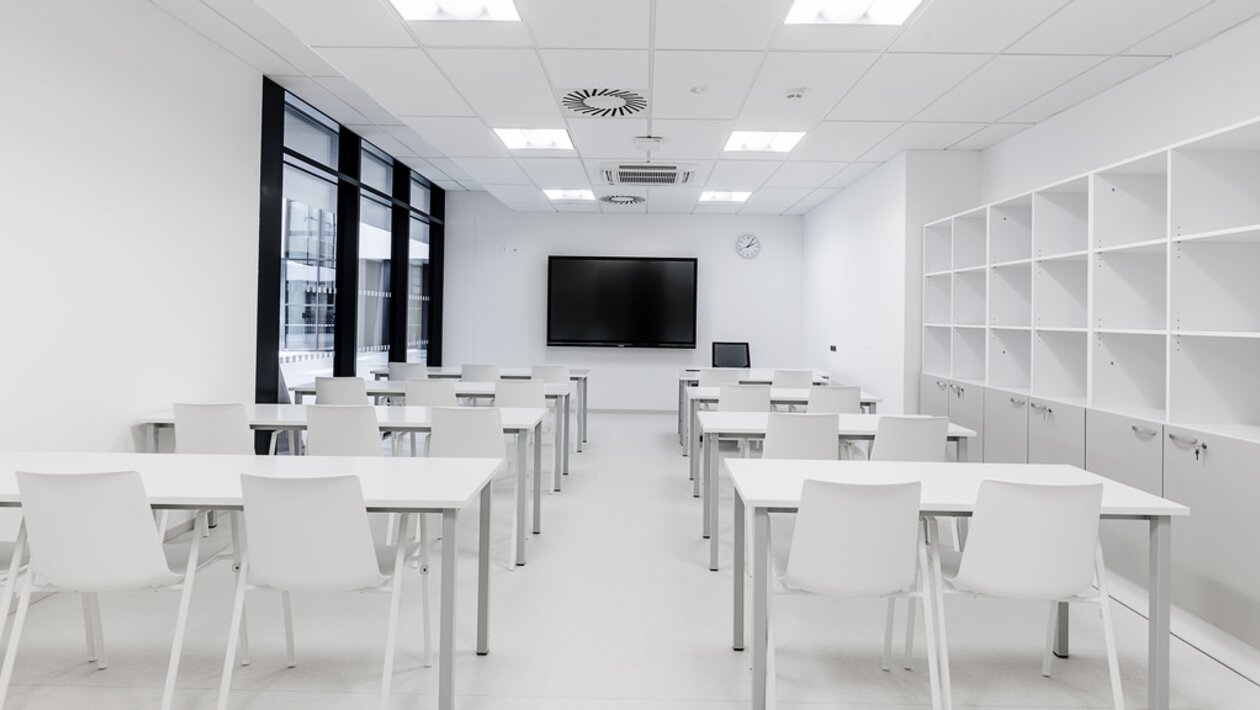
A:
x,y
213,481
293,416
393,388
754,423
947,487
511,373
755,375
778,395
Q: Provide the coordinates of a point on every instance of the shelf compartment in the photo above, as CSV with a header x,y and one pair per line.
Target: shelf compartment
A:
x,y
1060,364
936,298
937,247
1061,219
1010,358
1130,371
969,298
1131,202
1131,289
1215,381
936,350
1060,293
970,239
1214,186
1216,285
1010,295
968,354
1010,230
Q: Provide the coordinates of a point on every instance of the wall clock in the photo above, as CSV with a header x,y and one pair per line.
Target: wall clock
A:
x,y
748,246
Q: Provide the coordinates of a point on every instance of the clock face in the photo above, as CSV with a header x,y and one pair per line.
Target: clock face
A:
x,y
748,246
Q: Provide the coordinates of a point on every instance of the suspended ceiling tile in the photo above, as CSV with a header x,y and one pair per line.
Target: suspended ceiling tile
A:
x,y
506,87
718,24
841,141
560,173
363,102
987,136
607,138
1197,28
721,81
1005,84
459,137
740,174
343,23
834,38
900,85
518,194
417,145
610,24
851,174
494,171
984,26
597,69
780,197
1091,83
405,81
1103,26
471,34
222,32
920,136
313,93
794,173
825,78
690,140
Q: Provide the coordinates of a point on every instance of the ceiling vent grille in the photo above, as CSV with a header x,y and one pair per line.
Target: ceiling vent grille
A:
x,y
647,174
603,103
622,200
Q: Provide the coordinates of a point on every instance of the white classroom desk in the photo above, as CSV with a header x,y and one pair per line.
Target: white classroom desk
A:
x,y
561,394
390,485
752,425
407,420
690,377
768,486
579,375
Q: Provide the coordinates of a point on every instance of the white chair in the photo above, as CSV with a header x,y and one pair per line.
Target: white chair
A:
x,y
861,541
834,400
212,429
340,390
798,379
743,398
479,373
342,430
802,436
910,438
520,393
470,432
718,376
1032,542
551,374
422,392
312,535
400,371
92,533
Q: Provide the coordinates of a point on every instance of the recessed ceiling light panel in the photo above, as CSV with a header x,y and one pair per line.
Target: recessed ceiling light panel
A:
x,y
724,196
464,10
851,12
535,138
764,141
569,195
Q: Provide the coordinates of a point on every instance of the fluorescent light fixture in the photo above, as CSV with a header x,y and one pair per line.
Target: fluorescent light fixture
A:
x,y
535,138
721,196
765,141
851,12
481,10
569,194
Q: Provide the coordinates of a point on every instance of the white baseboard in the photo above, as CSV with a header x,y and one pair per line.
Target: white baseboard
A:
x,y
1230,651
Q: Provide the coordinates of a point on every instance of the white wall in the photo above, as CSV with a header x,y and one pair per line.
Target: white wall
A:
x,y
1209,87
129,195
496,291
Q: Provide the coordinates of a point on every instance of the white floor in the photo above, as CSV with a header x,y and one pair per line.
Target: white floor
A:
x,y
616,610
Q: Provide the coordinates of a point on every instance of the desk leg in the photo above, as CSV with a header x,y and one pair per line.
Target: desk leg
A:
x,y
682,411
558,466
738,642
446,633
694,432
538,478
581,414
483,571
710,450
761,604
711,483
567,433
157,439
1160,604
1062,634
522,490
961,447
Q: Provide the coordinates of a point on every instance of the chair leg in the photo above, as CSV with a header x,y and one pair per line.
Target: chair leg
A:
x,y
1109,633
238,546
10,582
425,605
234,637
938,591
200,529
772,669
89,627
927,596
888,634
395,598
290,657
102,662
10,654
1047,656
909,647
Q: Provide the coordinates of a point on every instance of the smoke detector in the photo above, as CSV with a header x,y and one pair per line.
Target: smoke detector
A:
x,y
603,103
647,174
648,143
622,200
795,94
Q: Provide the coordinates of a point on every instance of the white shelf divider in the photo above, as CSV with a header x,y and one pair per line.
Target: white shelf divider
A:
x,y
1060,364
1214,186
969,298
1010,295
1010,358
1010,230
1131,203
970,239
1131,288
1060,219
1216,285
1061,293
1130,372
1215,381
968,354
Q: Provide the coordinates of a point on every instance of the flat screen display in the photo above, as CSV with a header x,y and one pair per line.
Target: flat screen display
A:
x,y
628,302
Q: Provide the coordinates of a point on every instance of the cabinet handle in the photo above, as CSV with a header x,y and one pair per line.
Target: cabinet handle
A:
x,y
960,391
1188,441
1144,432
953,386
1039,407
940,384
1017,402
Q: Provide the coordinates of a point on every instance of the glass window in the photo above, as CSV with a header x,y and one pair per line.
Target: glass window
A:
x,y
377,172
372,340
310,137
418,292
308,274
421,198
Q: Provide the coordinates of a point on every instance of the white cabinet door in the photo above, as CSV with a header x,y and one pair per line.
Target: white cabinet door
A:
x,y
1005,427
1130,451
966,408
933,395
1216,567
1056,433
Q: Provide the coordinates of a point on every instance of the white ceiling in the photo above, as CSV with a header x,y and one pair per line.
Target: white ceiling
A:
x,y
960,75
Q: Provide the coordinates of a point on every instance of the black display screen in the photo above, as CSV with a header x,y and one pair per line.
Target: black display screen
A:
x,y
621,302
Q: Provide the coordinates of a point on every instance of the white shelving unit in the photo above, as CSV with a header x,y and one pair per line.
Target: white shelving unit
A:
x,y
1010,358
1131,203
1216,384
968,355
938,254
937,297
1060,218
1061,292
969,297
1131,288
970,239
1011,300
1010,230
1216,282
1129,373
936,350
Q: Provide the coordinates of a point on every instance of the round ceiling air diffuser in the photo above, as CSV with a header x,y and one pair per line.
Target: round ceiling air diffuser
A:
x,y
622,200
604,103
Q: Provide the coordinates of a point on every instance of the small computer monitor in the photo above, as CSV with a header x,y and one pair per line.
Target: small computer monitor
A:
x,y
730,354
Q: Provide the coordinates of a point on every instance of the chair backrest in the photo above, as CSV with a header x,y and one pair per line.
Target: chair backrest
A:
x,y
479,373
713,377
1029,541
792,378
340,390
910,438
342,430
212,429
520,393
553,374
92,532
835,400
802,436
470,432
727,354
399,371
855,540
309,534
430,393
744,398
